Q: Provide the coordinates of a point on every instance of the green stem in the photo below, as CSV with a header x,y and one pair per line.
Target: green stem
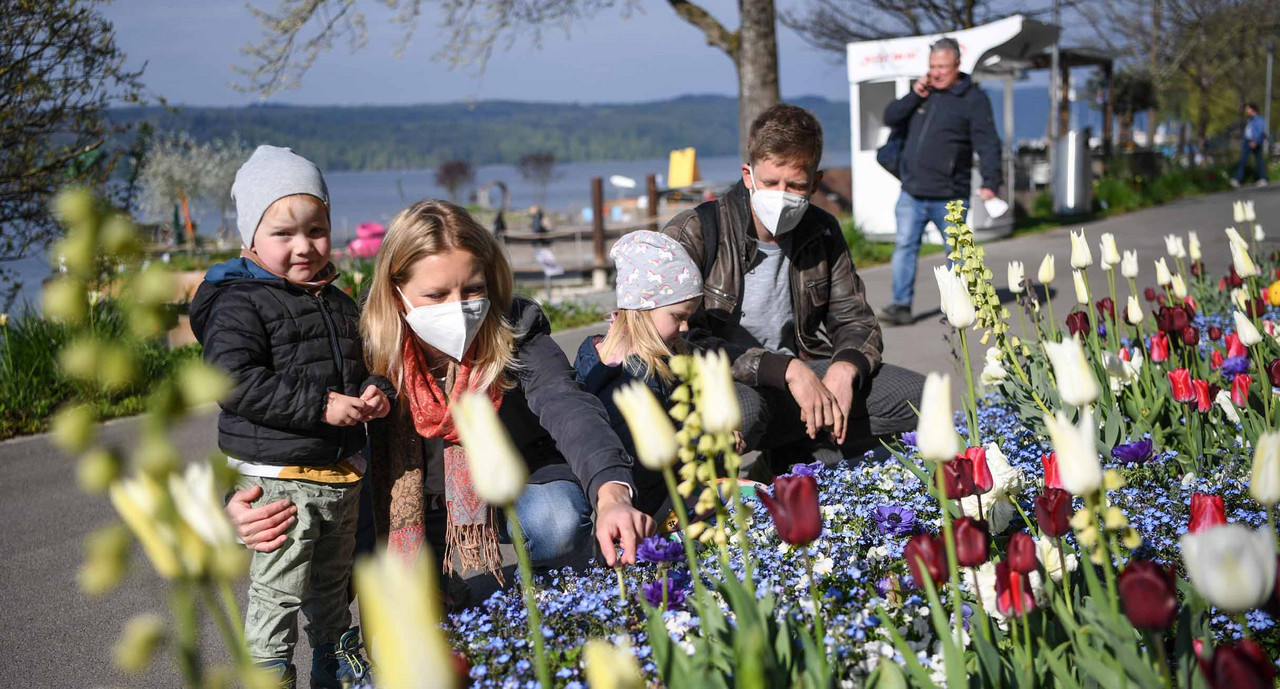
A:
x,y
665,585
1108,568
1156,642
1244,625
740,521
819,627
977,597
230,635
682,515
953,563
1053,325
530,600
1066,580
185,615
971,409
622,585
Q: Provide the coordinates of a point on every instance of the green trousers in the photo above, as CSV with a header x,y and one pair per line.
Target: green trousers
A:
x,y
309,571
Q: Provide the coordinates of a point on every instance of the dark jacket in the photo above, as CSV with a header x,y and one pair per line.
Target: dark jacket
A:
x,y
832,317
284,349
602,380
561,430
943,132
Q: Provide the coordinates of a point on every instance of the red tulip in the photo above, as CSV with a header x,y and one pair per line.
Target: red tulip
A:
x,y
1190,336
794,508
1172,319
1149,294
977,457
1053,512
1215,359
1078,323
1149,593
1207,511
1050,464
1234,347
1180,382
1013,591
1240,389
1215,333
1203,401
1272,605
957,478
1233,278
1021,553
1159,348
973,540
1222,285
1106,307
1124,354
1189,305
1238,665
927,550
1273,372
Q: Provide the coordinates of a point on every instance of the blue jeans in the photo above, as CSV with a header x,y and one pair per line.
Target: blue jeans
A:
x,y
913,214
1247,153
556,517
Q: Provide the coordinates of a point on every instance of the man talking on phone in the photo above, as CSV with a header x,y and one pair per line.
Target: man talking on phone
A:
x,y
948,117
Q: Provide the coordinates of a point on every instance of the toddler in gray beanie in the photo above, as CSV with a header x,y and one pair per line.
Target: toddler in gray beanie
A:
x,y
269,175
653,270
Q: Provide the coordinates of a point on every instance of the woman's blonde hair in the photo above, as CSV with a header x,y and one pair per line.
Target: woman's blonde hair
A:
x,y
633,337
428,228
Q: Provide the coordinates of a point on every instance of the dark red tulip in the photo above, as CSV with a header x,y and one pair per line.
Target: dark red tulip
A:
x,y
1013,591
1273,372
1050,464
1189,305
1272,605
1207,511
973,540
1190,336
1078,323
1149,294
1256,308
927,550
1159,348
1233,279
1215,333
1235,347
1053,512
1215,359
1197,268
1106,307
957,477
1180,382
1172,319
1214,389
1160,299
1203,401
1240,389
1021,553
1149,593
977,457
1238,665
794,508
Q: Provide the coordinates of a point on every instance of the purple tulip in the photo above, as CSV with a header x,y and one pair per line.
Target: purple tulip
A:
x,y
1234,365
894,521
659,549
1133,453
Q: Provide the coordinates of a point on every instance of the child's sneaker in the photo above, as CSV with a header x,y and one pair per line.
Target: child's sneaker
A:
x,y
280,670
334,666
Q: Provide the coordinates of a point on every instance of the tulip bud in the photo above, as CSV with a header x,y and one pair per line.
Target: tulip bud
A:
x,y
973,540
1190,336
400,607
498,472
1241,261
1245,330
1193,246
1053,512
1179,287
1109,255
1235,661
1232,566
1264,483
1237,211
610,667
1078,323
1078,463
142,637
936,438
1082,290
1215,333
1249,215
1014,595
1163,278
1016,277
794,509
1149,592
1081,256
926,555
718,403
957,305
651,429
1077,385
1129,264
1047,272
1207,511
1021,553
1133,310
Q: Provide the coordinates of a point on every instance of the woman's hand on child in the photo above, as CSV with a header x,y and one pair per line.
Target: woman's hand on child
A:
x,y
377,403
261,528
345,410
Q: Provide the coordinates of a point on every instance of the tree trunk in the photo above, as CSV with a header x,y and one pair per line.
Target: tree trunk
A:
x,y
757,65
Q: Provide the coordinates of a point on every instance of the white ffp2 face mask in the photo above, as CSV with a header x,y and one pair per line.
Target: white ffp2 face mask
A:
x,y
779,211
450,327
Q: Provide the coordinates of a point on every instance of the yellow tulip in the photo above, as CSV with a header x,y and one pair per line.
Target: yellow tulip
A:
x,y
655,437
610,667
497,469
400,612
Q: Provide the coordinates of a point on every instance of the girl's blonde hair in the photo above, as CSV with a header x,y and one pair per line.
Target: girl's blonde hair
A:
x,y
428,228
633,337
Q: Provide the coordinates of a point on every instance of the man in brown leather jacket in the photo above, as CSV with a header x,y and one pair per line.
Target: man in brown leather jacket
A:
x,y
782,298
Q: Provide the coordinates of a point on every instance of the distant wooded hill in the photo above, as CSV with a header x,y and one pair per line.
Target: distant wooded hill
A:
x,y
422,136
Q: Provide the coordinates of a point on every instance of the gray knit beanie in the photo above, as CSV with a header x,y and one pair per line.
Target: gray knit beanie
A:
x,y
269,175
653,270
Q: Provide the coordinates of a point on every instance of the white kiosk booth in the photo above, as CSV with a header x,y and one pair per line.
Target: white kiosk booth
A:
x,y
882,71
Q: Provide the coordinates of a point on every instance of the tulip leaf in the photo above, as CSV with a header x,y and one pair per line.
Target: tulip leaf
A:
x,y
887,676
1062,674
988,654
952,655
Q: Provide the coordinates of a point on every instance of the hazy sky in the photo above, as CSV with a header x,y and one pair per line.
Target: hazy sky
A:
x,y
191,45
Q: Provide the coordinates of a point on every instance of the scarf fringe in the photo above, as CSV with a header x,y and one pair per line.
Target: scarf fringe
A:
x,y
476,546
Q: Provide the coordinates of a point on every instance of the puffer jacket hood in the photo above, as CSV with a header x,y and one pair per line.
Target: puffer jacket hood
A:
x,y
219,276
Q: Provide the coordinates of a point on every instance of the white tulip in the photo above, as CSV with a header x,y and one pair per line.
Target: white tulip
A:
x,y
1233,235
1016,276
1193,246
1047,272
1258,234
1162,273
1237,211
1129,264
1082,290
1174,247
993,371
1051,558
1223,400
1081,256
1264,482
1109,254
1240,257
498,472
1231,565
1248,334
936,437
1240,298
400,607
140,500
1179,287
1249,215
197,499
651,428
956,303
718,403
1076,384
1079,467
1133,310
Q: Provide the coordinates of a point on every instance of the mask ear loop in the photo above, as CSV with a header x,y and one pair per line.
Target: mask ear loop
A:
x,y
408,306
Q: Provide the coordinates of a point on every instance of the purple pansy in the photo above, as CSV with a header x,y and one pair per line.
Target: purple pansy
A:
x,y
1133,453
659,549
909,438
895,521
810,469
675,592
1234,365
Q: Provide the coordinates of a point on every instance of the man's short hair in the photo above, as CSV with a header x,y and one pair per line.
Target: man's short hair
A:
x,y
946,45
787,134
1252,106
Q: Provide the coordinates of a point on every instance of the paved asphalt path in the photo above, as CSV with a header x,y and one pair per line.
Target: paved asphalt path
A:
x,y
53,636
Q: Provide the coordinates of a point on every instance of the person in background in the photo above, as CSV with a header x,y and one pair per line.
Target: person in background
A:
x,y
1253,144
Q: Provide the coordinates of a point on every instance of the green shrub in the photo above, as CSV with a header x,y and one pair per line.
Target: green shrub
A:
x,y
572,314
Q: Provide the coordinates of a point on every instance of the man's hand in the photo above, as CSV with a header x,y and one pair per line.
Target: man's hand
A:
x,y
376,403
921,87
839,380
617,521
344,410
818,407
261,528
986,194
1253,144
